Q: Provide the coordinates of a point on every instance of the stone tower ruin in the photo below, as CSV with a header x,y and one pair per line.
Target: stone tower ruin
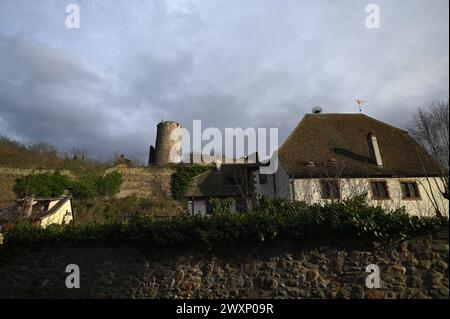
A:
x,y
160,154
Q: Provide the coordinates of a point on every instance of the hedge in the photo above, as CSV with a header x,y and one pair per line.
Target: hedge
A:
x,y
273,219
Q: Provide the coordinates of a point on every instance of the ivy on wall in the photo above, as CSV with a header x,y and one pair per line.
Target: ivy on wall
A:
x,y
181,178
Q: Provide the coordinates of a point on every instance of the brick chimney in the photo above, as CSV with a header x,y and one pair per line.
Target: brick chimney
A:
x,y
374,149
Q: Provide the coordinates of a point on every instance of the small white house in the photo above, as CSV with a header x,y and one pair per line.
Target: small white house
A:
x,y
235,181
39,211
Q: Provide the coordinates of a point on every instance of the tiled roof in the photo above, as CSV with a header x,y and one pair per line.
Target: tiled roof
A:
x,y
225,183
324,143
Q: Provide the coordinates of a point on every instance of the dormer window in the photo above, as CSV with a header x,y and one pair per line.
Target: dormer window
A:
x,y
332,161
310,164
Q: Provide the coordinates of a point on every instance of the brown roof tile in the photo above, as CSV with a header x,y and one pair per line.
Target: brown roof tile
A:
x,y
338,142
220,184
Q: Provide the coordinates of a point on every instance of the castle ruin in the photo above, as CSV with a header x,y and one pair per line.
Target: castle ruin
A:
x,y
161,153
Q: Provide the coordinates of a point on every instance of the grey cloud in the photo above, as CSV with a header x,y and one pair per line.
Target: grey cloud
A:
x,y
231,64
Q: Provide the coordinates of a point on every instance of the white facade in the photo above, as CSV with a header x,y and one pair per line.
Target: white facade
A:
x,y
61,216
264,184
282,183
197,207
309,190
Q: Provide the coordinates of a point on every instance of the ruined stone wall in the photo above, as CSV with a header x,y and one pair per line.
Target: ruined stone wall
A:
x,y
417,268
147,182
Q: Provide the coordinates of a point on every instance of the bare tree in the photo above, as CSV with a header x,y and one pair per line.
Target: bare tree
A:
x,y
243,180
42,153
78,154
430,129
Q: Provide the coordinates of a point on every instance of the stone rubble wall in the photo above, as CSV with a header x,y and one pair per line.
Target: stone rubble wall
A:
x,y
147,182
416,268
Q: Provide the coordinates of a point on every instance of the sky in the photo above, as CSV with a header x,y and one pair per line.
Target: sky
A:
x,y
103,87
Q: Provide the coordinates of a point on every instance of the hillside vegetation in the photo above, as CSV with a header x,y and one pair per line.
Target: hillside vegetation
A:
x,y
99,192
41,155
95,194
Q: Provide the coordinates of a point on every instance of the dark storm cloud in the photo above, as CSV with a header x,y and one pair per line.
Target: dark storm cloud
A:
x,y
104,87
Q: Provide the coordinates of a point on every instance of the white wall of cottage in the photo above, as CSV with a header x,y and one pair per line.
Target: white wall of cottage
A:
x,y
309,190
63,215
268,187
282,183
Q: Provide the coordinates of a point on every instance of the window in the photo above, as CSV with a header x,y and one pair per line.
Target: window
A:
x,y
208,208
330,189
409,190
379,190
262,178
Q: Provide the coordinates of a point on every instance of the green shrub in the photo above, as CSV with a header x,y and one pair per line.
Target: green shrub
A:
x,y
109,185
93,184
100,211
181,178
47,184
221,205
274,219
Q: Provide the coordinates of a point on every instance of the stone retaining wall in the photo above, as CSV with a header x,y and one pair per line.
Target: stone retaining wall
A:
x,y
153,182
417,268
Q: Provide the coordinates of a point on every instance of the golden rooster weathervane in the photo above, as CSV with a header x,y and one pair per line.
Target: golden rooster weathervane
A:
x,y
360,103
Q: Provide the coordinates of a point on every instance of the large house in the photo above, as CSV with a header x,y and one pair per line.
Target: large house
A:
x,y
330,157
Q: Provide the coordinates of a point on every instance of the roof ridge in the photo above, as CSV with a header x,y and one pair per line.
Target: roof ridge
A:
x,y
347,114
334,113
386,124
311,115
